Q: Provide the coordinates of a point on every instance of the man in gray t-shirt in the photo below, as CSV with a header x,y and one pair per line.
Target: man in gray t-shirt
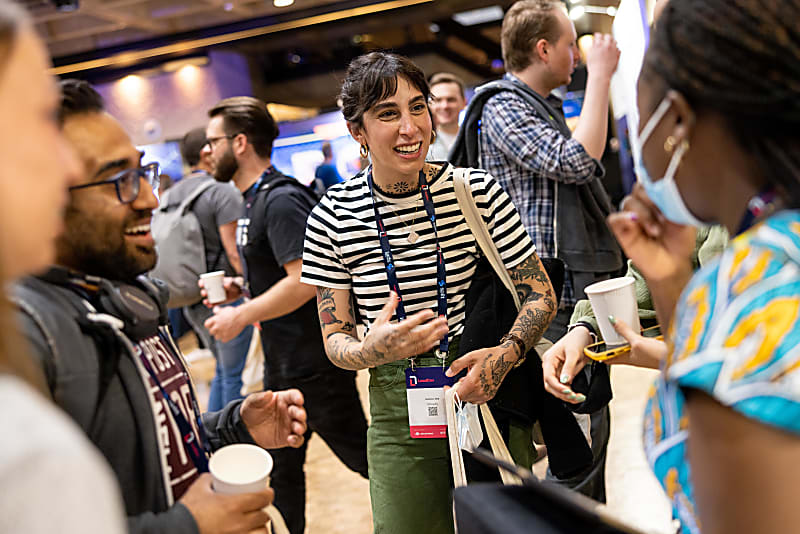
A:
x,y
218,210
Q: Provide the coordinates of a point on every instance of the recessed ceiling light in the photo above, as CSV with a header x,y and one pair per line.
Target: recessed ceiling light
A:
x,y
577,12
282,3
479,16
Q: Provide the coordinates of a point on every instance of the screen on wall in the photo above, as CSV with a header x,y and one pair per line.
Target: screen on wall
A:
x,y
168,156
298,150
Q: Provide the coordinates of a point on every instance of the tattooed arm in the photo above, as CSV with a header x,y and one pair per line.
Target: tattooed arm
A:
x,y
537,299
385,342
488,367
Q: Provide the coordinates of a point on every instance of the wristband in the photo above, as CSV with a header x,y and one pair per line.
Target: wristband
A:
x,y
520,345
587,325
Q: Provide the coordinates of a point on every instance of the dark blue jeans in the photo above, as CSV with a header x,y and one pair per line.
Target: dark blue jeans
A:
x,y
227,382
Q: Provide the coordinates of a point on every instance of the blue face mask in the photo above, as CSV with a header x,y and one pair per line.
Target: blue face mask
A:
x,y
664,193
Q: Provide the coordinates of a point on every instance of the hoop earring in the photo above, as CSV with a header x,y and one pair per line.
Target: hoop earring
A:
x,y
364,151
433,136
669,144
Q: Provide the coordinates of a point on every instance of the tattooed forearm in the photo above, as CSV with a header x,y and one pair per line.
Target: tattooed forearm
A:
x,y
346,352
537,300
530,270
531,324
493,371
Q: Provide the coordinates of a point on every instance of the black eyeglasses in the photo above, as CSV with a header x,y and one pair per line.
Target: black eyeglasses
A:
x,y
127,182
211,140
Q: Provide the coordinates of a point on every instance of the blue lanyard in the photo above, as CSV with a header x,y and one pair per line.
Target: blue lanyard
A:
x,y
195,446
388,257
249,198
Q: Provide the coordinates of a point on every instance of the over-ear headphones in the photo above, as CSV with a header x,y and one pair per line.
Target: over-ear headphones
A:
x,y
141,307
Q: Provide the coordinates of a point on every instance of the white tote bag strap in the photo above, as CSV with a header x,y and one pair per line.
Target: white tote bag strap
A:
x,y
456,458
475,222
496,442
499,448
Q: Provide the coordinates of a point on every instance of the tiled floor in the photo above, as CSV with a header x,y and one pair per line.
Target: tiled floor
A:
x,y
338,500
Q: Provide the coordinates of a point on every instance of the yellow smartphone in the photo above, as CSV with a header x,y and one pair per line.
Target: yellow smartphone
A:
x,y
600,352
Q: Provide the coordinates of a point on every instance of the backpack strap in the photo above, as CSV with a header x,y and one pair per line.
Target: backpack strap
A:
x,y
286,180
465,149
187,202
468,206
184,207
30,295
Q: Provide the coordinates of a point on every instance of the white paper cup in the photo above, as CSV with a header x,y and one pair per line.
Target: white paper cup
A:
x,y
214,284
244,468
240,468
616,297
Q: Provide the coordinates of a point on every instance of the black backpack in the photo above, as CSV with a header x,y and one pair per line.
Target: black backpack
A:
x,y
465,150
308,191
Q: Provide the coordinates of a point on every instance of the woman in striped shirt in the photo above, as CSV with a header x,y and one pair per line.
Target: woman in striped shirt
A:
x,y
387,248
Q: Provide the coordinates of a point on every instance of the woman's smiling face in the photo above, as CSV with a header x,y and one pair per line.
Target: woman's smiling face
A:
x,y
397,131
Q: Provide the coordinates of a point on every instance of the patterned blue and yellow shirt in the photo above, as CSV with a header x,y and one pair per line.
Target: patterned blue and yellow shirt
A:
x,y
736,337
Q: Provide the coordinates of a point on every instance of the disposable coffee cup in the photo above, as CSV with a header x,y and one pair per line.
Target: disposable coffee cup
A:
x,y
244,468
240,468
616,297
215,287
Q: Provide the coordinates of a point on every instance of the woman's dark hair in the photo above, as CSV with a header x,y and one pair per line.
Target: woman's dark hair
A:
x,y
372,77
741,59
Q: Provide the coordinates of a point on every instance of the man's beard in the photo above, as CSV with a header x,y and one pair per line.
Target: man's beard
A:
x,y
99,248
226,166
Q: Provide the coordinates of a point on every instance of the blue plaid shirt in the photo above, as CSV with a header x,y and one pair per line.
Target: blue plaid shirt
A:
x,y
527,156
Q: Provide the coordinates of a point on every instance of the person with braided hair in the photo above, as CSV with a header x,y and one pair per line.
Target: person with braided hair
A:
x,y
720,137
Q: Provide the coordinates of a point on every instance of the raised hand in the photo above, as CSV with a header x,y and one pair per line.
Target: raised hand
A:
x,y
660,249
603,57
417,334
275,419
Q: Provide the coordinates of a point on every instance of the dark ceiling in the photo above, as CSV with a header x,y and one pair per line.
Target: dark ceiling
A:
x,y
297,54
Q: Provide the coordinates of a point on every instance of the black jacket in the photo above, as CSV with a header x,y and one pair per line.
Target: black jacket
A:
x,y
97,382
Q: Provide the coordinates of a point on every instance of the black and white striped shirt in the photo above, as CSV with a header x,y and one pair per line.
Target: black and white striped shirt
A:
x,y
342,250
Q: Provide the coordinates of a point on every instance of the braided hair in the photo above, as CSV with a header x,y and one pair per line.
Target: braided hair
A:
x,y
741,59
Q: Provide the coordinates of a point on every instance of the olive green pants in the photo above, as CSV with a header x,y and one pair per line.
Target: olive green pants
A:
x,y
410,480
